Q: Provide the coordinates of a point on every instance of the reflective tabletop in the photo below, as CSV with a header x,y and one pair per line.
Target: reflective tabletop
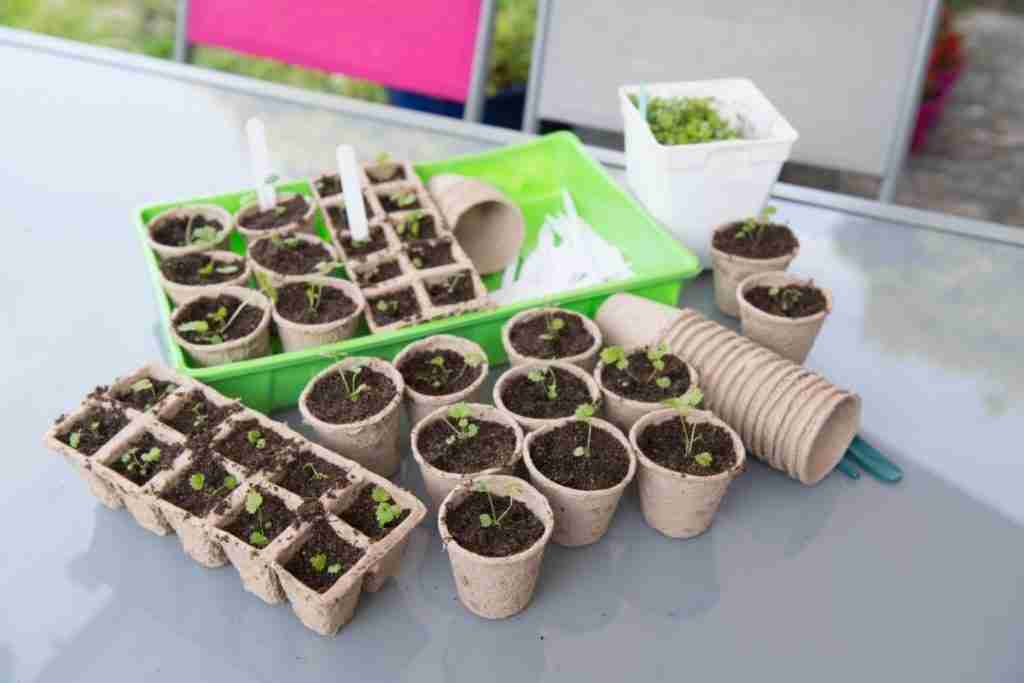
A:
x,y
840,582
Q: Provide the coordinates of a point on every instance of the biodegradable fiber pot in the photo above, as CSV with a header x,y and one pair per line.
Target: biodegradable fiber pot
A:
x,y
277,279
421,405
531,423
440,483
304,224
296,336
372,442
497,587
253,345
730,270
586,360
630,320
209,212
489,227
180,293
791,338
581,517
622,411
676,504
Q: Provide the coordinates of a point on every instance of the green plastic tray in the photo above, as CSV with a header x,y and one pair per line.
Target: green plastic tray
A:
x,y
531,174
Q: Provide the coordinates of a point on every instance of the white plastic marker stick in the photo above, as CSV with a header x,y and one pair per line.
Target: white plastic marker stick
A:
x,y
259,153
643,103
351,189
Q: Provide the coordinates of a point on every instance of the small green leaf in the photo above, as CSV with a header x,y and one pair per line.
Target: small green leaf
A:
x,y
437,361
535,375
459,411
614,355
197,326
207,269
486,520
318,562
253,502
703,459
387,513
197,481
556,324
258,539
585,411
334,568
204,235
152,455
380,494
74,438
474,360
579,450
227,269
142,385
663,382
229,482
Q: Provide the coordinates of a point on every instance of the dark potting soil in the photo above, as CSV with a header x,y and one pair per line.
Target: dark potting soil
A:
x,y
200,269
423,373
145,393
272,517
294,303
217,485
289,255
328,185
452,290
310,477
603,466
377,173
173,231
525,397
773,240
323,558
665,444
252,445
197,414
393,307
362,515
518,530
430,254
93,431
415,227
382,272
538,338
639,380
329,398
492,446
357,250
144,457
291,210
339,216
792,301
400,200
217,312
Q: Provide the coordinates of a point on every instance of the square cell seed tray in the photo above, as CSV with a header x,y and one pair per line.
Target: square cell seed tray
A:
x,y
185,460
532,175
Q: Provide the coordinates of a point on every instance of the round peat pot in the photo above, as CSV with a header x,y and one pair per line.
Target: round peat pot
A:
x,y
304,223
676,504
439,483
791,338
422,404
581,517
531,423
630,320
730,270
253,345
372,442
276,278
297,336
827,436
496,587
586,359
208,212
623,412
179,293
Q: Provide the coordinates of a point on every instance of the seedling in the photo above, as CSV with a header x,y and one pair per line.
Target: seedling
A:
x,y
265,285
615,355
417,261
212,330
388,306
313,294
319,564
585,411
754,227
198,414
492,519
786,297
133,461
387,510
411,224
552,328
211,267
254,505
403,199
451,283
198,483
685,405
206,234
354,387
541,376
326,267
686,120
256,438
314,474
74,439
284,242
458,422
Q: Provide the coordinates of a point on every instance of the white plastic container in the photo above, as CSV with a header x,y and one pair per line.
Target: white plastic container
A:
x,y
694,189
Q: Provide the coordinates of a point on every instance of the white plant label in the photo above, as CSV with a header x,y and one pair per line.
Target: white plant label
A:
x,y
352,191
259,154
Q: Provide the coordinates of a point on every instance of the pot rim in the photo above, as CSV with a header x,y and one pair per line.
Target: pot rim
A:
x,y
530,313
568,490
749,309
719,254
215,290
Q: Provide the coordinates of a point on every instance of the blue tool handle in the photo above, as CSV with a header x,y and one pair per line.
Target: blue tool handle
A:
x,y
872,461
848,468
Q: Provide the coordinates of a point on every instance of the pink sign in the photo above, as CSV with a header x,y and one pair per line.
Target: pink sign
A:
x,y
425,47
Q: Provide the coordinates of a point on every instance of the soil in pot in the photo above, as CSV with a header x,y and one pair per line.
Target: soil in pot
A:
x,y
357,249
512,529
292,210
310,303
339,216
216,320
204,486
545,394
199,415
551,336
374,513
199,269
289,255
791,301
580,456
416,226
323,558
346,396
439,373
394,307
665,444
185,231
641,380
311,477
400,200
382,272
453,290
430,255
385,173
144,457
262,519
93,431
328,185
767,240
252,445
446,446
144,393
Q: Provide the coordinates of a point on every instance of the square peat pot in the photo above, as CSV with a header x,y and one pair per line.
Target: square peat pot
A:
x,y
533,175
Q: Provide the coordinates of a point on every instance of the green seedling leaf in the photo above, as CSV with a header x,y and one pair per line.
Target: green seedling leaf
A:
x,y
74,438
258,539
227,269
197,481
229,483
152,455
474,360
486,521
334,568
253,502
207,269
142,385
615,355
535,375
265,285
703,459
256,438
197,326
318,562
204,235
579,450
380,494
459,411
663,382
437,361
387,513
585,411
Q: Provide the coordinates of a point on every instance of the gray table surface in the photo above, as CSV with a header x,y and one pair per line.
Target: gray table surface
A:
x,y
846,581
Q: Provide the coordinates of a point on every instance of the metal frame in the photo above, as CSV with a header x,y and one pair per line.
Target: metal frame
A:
x,y
914,218
531,120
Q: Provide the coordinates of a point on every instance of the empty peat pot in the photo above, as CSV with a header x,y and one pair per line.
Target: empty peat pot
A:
x,y
458,375
189,230
790,337
730,269
546,334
